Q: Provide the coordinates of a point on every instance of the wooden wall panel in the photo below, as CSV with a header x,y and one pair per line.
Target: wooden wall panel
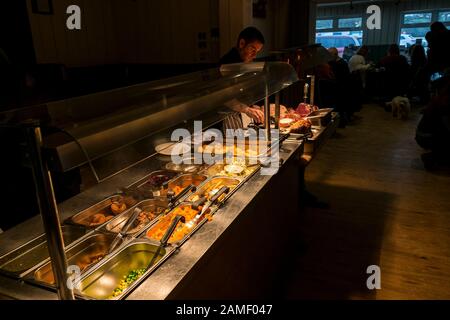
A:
x,y
234,16
36,34
43,36
186,25
95,32
93,44
142,31
59,24
224,27
266,26
281,24
110,34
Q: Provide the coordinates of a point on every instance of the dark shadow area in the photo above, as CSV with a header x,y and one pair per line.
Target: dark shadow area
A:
x,y
338,245
52,82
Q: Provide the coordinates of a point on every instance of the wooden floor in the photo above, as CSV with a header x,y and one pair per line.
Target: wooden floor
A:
x,y
386,210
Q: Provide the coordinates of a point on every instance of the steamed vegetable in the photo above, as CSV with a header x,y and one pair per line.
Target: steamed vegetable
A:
x,y
128,280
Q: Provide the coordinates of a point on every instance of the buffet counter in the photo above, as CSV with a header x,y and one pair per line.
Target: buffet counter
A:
x,y
222,259
152,228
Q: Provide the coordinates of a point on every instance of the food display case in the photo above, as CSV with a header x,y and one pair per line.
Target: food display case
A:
x,y
125,243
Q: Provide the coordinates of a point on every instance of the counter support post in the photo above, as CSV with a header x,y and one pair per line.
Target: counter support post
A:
x,y
312,89
49,211
267,115
277,110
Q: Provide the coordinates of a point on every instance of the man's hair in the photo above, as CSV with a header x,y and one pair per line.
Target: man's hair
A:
x,y
251,34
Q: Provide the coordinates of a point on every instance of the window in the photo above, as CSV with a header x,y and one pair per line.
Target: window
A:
x,y
326,41
324,24
344,42
444,16
350,23
411,36
345,34
414,18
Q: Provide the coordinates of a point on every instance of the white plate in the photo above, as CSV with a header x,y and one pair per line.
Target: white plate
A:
x,y
167,148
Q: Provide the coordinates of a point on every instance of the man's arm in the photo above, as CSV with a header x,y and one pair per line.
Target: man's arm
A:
x,y
254,113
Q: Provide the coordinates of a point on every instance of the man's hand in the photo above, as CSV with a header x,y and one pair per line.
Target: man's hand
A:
x,y
256,114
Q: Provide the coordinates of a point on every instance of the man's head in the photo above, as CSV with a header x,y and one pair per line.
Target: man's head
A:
x,y
250,42
334,52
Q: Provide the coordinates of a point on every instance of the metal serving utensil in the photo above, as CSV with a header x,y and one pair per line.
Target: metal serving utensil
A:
x,y
165,239
212,201
118,239
173,200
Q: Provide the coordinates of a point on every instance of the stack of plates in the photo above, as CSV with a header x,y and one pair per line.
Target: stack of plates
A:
x,y
173,148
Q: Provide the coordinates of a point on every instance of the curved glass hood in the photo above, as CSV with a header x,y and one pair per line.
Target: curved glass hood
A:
x,y
117,128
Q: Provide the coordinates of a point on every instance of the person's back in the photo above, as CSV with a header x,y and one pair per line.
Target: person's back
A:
x,y
397,72
340,69
418,57
346,103
419,75
433,130
439,47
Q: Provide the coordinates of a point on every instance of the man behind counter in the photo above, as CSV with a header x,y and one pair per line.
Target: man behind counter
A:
x,y
250,42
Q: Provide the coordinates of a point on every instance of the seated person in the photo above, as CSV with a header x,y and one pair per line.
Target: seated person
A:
x,y
439,45
397,72
358,74
420,78
345,103
358,63
433,131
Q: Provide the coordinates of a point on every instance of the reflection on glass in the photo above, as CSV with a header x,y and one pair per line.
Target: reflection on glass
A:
x,y
350,23
324,24
340,39
411,36
444,16
413,18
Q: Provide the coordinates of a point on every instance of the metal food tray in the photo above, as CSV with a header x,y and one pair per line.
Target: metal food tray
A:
x,y
84,217
116,224
215,180
304,136
27,257
100,282
187,166
220,167
203,220
142,183
96,244
171,213
321,117
313,142
184,181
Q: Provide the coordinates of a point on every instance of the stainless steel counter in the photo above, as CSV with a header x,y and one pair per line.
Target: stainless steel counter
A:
x,y
170,276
